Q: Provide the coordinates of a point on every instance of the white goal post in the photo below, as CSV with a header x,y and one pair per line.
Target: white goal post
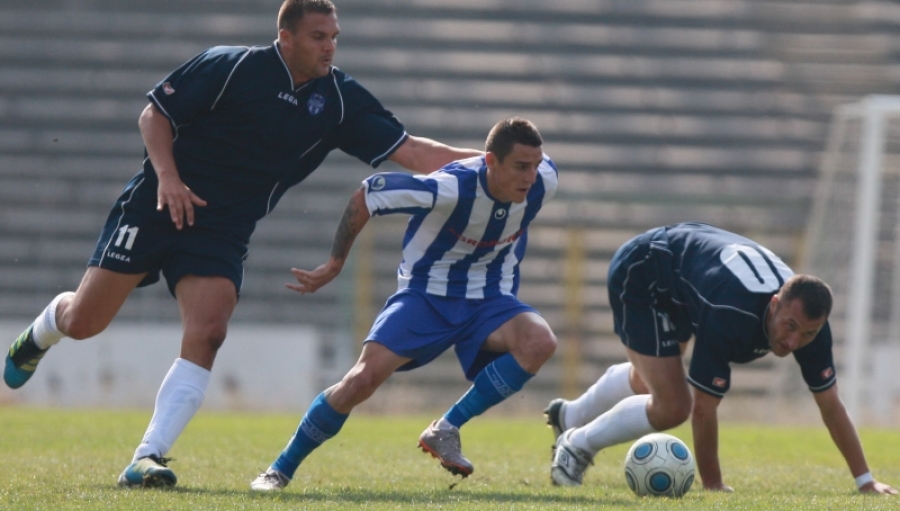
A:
x,y
853,243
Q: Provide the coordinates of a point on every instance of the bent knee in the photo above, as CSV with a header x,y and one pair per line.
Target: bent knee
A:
x,y
543,346
671,413
212,337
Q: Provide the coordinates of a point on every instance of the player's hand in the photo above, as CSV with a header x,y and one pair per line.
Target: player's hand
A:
x,y
876,487
310,281
180,200
720,486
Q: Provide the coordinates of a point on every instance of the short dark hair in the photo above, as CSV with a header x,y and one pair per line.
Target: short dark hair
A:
x,y
812,291
511,131
292,11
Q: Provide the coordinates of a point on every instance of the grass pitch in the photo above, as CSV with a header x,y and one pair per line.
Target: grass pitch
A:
x,y
70,460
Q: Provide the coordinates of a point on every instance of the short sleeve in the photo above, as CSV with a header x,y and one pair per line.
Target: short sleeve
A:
x,y
397,192
369,131
710,370
197,84
817,361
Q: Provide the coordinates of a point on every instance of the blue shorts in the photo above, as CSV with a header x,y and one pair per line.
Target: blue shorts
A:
x,y
421,326
137,238
640,284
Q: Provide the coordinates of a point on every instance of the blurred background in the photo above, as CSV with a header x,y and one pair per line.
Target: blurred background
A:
x,y
655,111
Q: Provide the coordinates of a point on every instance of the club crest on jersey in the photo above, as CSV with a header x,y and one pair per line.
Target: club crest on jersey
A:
x,y
500,214
720,382
378,183
316,104
827,373
167,88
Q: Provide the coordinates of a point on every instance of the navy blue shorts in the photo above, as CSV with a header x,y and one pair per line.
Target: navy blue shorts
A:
x,y
421,326
640,286
137,238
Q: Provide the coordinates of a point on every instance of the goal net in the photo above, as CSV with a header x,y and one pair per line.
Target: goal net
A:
x,y
853,243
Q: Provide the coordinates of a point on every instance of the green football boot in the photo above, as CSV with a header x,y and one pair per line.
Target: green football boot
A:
x,y
148,472
22,359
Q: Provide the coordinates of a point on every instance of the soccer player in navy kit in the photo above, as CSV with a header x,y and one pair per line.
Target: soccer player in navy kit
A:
x,y
226,134
457,287
739,301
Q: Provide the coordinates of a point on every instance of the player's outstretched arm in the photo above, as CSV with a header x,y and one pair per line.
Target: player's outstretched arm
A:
x,y
172,192
424,155
355,217
843,432
705,426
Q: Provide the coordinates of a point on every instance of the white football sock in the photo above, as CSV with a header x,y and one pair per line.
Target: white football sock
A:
x,y
625,421
179,398
45,332
611,388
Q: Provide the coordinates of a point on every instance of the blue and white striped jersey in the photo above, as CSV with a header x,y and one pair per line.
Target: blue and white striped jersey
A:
x,y
460,241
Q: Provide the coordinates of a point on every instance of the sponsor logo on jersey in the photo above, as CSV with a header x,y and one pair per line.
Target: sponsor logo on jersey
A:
x,y
486,244
287,97
827,373
761,351
500,214
117,256
167,88
720,382
378,183
316,104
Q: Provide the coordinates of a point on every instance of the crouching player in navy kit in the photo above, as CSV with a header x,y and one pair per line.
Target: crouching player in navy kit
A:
x,y
457,287
740,302
227,134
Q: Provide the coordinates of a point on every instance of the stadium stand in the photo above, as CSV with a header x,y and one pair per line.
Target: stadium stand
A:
x,y
655,111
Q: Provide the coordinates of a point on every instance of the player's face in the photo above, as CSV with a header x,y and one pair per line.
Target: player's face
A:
x,y
788,327
309,49
510,180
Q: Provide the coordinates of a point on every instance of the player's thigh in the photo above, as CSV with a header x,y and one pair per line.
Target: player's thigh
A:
x,y
97,300
664,377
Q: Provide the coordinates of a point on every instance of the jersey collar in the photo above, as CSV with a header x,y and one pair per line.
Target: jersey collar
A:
x,y
288,70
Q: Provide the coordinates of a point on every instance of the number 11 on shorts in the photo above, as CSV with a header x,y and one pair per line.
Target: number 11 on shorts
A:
x,y
130,232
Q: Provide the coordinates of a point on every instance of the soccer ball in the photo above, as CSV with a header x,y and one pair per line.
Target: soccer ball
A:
x,y
660,465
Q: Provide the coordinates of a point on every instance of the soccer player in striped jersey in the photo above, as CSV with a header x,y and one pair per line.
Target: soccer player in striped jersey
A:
x,y
740,302
226,135
457,287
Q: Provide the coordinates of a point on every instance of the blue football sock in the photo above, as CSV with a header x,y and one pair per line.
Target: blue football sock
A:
x,y
320,423
497,381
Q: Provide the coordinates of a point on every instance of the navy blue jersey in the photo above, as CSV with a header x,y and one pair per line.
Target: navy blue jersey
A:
x,y
244,134
725,282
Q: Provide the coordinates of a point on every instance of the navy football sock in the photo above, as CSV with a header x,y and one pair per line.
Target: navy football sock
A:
x,y
320,423
497,381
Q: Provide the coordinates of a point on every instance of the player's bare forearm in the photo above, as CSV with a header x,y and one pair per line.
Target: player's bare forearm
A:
x,y
171,192
354,219
705,427
842,430
425,155
845,437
